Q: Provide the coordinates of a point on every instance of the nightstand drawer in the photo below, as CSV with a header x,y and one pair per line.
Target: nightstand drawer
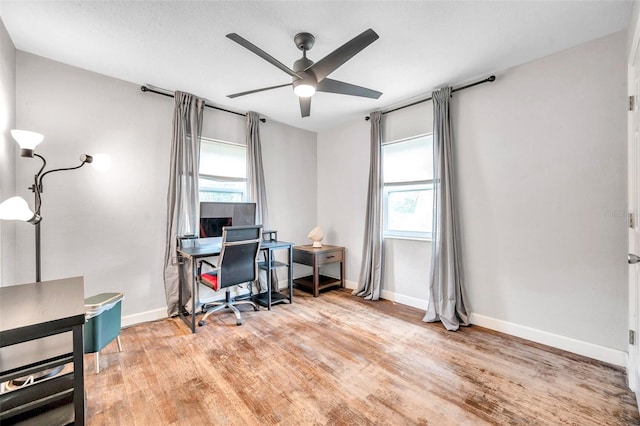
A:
x,y
333,256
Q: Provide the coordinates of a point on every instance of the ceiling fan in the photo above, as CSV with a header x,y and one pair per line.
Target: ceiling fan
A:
x,y
309,77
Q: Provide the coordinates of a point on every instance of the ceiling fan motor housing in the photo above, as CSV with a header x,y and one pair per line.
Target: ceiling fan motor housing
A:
x,y
306,77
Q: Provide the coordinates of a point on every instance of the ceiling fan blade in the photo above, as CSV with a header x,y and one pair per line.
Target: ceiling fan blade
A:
x,y
342,54
248,92
335,86
305,106
264,55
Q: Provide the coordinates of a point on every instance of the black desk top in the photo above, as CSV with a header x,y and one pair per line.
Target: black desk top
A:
x,y
31,311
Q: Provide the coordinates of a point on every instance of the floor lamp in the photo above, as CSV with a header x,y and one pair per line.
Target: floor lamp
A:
x,y
16,208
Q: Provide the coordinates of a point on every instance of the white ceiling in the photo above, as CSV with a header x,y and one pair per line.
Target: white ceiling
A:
x,y
181,45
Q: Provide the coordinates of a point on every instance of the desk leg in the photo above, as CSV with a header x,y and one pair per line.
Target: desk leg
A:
x,y
189,320
290,275
180,297
78,375
194,283
316,277
269,260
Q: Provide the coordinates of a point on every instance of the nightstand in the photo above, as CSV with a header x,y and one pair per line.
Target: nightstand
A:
x,y
316,257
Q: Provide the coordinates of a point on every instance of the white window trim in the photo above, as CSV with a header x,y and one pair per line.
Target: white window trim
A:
x,y
221,141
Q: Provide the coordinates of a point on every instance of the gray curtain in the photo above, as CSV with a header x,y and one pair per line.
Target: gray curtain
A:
x,y
371,272
182,195
256,188
446,284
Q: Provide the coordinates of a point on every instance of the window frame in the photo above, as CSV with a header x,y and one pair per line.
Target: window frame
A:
x,y
219,178
390,187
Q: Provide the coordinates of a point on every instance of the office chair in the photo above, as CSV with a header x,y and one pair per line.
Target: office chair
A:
x,y
237,264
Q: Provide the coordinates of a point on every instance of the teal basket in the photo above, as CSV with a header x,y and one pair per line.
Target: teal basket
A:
x,y
104,314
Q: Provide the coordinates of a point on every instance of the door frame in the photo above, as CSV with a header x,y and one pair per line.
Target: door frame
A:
x,y
633,169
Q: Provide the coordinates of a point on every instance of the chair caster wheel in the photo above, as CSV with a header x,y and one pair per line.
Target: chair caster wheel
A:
x,y
239,322
200,323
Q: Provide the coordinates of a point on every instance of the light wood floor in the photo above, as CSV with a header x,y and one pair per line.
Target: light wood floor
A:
x,y
339,360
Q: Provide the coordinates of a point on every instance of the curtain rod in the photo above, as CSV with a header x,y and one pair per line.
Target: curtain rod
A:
x,y
486,80
164,92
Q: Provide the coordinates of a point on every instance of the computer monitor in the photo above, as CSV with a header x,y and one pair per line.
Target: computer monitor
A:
x,y
215,215
212,226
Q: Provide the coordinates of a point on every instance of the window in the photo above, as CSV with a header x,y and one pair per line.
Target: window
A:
x,y
407,170
223,171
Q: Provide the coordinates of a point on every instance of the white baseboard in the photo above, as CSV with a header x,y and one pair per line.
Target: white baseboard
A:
x,y
147,316
601,353
414,302
350,284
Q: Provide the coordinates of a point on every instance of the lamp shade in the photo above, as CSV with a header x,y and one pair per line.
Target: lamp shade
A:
x,y
16,208
27,141
101,162
316,235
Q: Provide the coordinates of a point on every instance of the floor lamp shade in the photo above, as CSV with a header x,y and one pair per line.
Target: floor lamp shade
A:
x,y
16,208
101,162
27,141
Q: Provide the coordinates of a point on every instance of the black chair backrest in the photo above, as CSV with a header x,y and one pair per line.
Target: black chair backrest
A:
x,y
241,233
239,255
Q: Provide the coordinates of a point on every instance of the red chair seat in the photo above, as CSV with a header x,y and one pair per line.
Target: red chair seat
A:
x,y
211,279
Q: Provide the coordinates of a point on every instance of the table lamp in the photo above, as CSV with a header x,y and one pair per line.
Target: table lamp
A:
x,y
316,235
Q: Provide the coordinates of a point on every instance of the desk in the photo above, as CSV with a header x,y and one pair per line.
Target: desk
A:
x,y
316,257
41,328
206,247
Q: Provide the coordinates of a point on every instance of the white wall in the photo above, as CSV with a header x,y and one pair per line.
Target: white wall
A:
x,y
542,164
542,174
7,151
110,227
343,173
289,161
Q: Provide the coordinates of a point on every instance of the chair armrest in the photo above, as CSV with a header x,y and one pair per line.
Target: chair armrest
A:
x,y
201,261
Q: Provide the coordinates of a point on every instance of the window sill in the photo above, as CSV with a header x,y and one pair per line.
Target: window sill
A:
x,y
390,237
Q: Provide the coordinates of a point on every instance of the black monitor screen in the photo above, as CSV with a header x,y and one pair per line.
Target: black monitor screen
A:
x,y
212,226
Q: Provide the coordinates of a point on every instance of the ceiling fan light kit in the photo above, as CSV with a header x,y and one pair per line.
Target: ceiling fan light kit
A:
x,y
309,77
303,90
